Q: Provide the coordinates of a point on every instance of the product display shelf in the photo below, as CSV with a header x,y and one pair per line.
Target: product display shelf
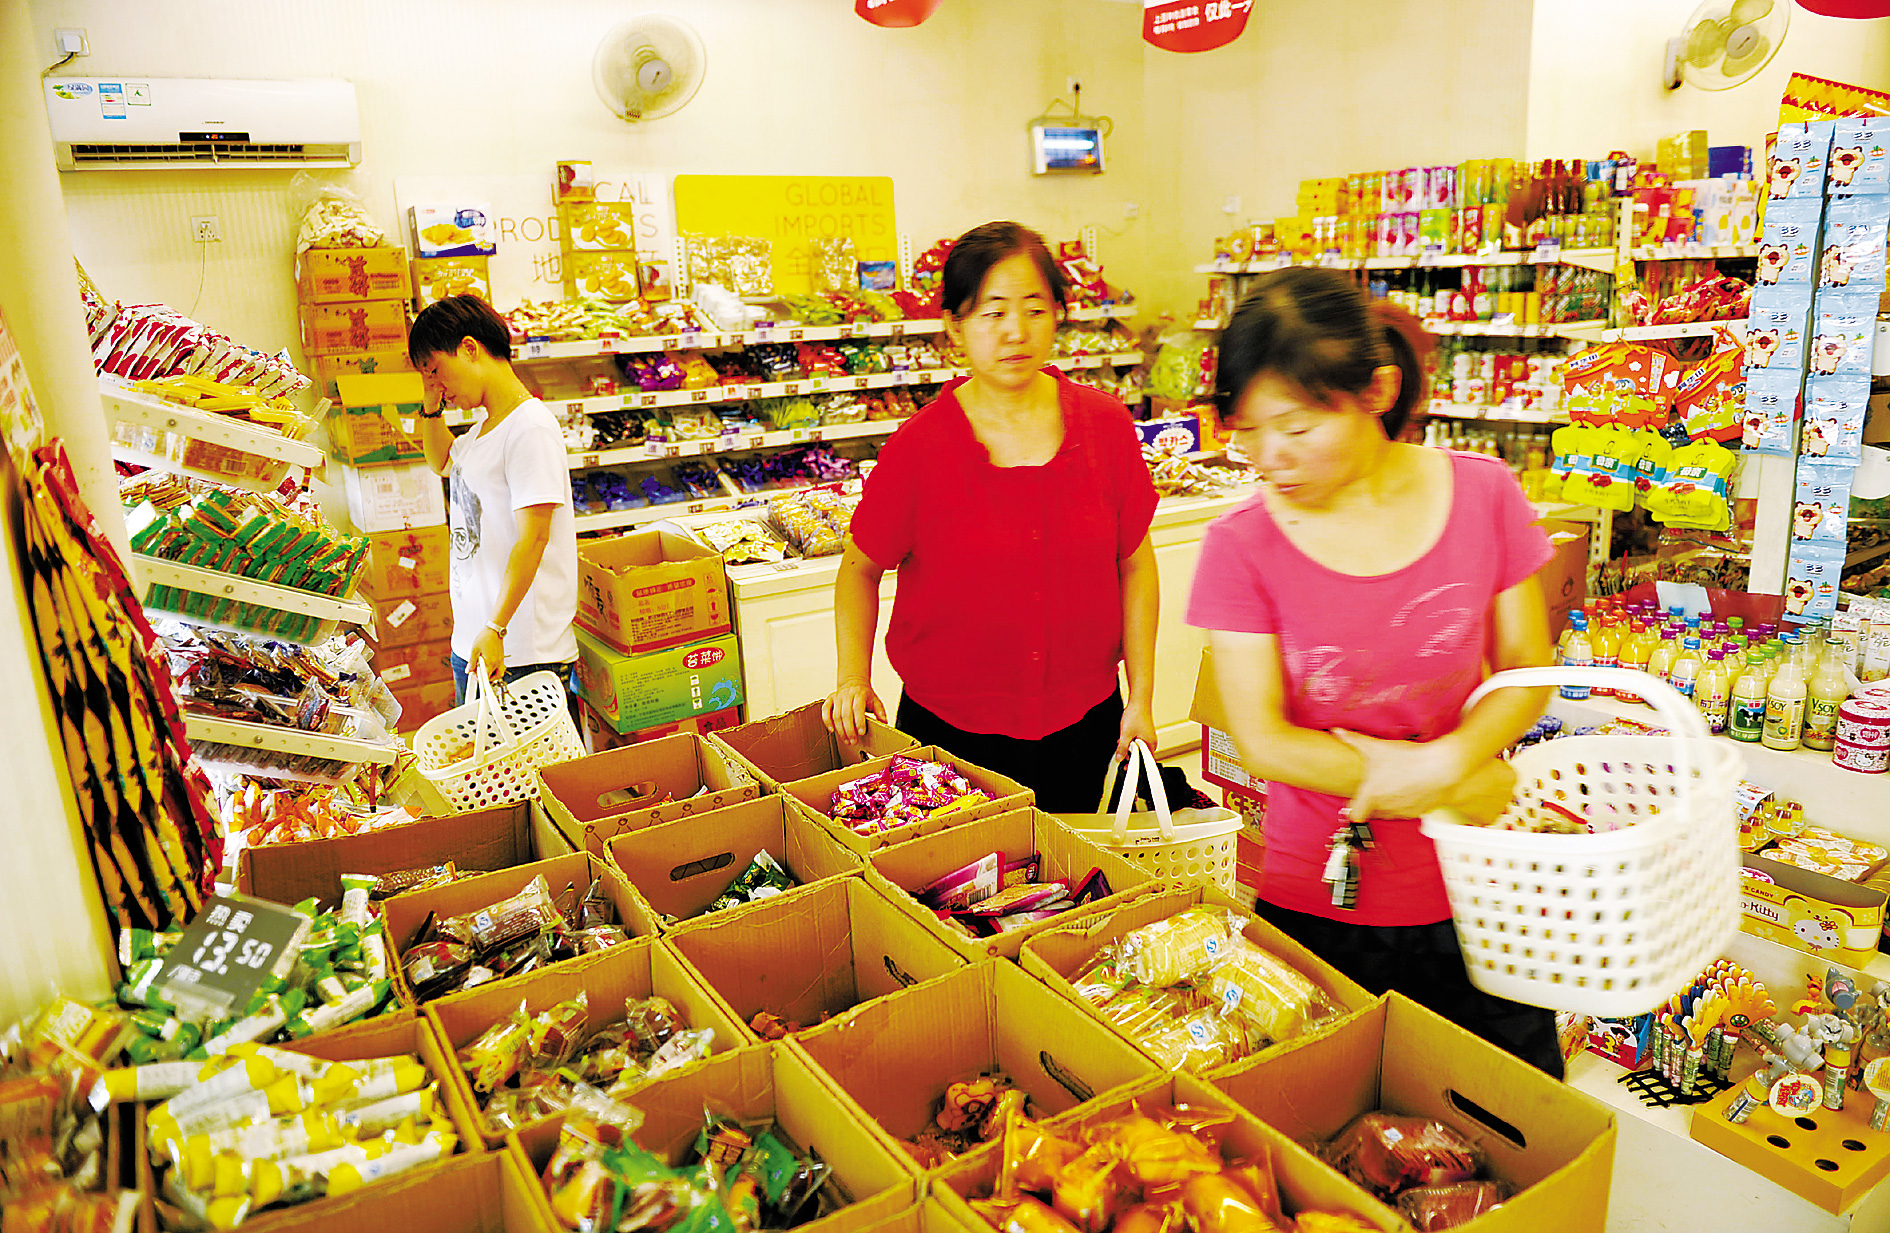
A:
x,y
147,572
1500,412
1694,252
732,443
1100,312
125,405
538,349
1597,332
641,400
643,515
1494,329
292,741
1590,258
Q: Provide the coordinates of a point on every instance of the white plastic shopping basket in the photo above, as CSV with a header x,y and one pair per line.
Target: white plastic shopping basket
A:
x,y
1201,850
1613,922
484,752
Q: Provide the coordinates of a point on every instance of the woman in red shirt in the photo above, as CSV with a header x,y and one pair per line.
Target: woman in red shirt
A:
x,y
1016,509
1352,605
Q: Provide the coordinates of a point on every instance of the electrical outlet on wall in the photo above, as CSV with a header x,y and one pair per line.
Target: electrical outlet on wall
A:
x,y
72,43
203,228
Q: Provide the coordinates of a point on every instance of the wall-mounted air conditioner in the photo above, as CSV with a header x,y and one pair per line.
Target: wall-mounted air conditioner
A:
x,y
139,124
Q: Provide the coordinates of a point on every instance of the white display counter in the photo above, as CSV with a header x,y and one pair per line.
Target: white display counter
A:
x,y
784,618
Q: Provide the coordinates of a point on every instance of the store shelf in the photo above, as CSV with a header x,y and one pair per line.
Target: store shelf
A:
x,y
705,341
291,741
1562,511
1647,333
1863,555
125,405
643,515
1101,312
715,395
1503,412
152,571
1586,257
1493,329
1694,252
729,444
1115,359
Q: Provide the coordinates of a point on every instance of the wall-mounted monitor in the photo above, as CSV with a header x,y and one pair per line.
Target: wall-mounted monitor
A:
x,y
1065,147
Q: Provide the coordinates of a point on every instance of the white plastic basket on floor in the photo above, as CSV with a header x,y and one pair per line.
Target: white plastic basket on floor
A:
x,y
1610,923
1201,850
484,752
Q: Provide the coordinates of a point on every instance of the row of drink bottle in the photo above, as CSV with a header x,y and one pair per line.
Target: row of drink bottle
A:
x,y
1761,684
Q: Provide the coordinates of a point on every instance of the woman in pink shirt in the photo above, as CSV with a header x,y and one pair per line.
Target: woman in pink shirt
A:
x,y
1353,604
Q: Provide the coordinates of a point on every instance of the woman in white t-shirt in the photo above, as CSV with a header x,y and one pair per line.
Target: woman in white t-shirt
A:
x,y
514,571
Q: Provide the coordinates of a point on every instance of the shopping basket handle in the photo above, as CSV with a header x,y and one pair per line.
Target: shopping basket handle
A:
x,y
1141,755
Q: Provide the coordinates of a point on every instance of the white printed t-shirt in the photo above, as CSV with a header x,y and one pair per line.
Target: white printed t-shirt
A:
x,y
491,477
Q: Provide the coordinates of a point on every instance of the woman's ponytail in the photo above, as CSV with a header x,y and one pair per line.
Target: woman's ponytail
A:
x,y
1410,349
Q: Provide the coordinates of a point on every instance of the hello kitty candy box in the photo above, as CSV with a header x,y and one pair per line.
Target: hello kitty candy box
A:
x,y
1835,920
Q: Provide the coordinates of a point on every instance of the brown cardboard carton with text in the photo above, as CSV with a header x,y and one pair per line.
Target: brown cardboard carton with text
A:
x,y
594,799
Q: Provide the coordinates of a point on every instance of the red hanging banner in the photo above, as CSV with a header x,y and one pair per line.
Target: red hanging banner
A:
x,y
1860,9
895,14
1194,25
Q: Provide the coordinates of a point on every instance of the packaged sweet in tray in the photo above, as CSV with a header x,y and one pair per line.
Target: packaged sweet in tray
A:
x,y
1389,1154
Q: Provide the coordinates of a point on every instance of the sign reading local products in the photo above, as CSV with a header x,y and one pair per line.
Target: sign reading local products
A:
x,y
1194,25
790,212
895,13
228,952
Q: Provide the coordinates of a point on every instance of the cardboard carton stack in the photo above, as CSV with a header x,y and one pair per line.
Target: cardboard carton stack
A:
x,y
353,311
656,649
452,251
406,581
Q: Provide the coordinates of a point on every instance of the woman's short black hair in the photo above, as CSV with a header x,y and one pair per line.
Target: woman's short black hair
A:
x,y
441,326
975,252
1315,329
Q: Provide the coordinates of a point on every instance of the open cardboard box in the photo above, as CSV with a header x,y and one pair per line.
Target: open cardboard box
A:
x,y
759,1085
488,1193
1058,956
403,915
815,951
797,745
816,796
679,868
594,799
894,1057
484,839
644,968
1545,1138
930,1216
899,870
1813,912
650,589
1305,1183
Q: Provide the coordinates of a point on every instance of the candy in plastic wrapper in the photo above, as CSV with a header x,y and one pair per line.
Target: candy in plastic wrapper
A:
x,y
1386,1153
959,889
763,879
1272,997
1430,1208
529,912
652,1022
402,881
1187,945
602,937
498,1052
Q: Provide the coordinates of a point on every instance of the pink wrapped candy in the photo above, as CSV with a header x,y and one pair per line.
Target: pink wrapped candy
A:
x,y
907,790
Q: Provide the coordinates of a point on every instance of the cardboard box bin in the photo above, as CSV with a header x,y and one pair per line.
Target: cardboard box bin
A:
x,y
394,497
816,796
405,620
487,1193
1545,1138
930,1216
1058,956
651,688
1306,1184
815,951
679,868
594,799
405,564
599,735
646,967
414,665
894,1057
326,275
376,420
1564,580
423,702
651,589
356,364
570,878
1813,912
797,745
759,1085
354,325
1067,857
485,839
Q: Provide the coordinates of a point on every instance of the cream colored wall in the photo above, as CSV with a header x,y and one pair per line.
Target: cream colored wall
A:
x,y
1594,83
495,87
499,87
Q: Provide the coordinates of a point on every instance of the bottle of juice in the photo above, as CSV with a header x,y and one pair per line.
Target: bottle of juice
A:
x,y
1635,648
1747,719
1684,673
1605,644
1713,692
1660,662
1785,707
1826,692
1576,654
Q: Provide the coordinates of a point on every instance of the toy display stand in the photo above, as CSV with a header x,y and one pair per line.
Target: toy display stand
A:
x,y
1830,1156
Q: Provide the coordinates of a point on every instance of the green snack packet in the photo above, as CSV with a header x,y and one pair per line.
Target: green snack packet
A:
x,y
763,878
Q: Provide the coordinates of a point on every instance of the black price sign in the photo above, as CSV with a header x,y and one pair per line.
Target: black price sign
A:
x,y
228,952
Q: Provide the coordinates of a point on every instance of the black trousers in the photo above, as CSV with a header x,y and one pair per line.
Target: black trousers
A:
x,y
1423,963
1065,768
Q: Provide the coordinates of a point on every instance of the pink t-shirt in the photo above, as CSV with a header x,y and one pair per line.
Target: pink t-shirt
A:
x,y
1392,656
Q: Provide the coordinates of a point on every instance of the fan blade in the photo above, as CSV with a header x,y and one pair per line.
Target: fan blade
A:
x,y
1706,42
1746,12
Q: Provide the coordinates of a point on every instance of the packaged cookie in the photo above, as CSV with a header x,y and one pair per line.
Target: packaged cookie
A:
x,y
1835,408
1858,164
1788,249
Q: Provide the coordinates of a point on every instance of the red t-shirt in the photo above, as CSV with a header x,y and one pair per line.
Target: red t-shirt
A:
x,y
1008,618
1392,656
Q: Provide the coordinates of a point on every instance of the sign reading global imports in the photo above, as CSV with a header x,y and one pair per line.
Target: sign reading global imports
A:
x,y
1194,25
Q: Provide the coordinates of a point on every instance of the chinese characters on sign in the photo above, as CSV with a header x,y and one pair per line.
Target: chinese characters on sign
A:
x,y
1194,25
